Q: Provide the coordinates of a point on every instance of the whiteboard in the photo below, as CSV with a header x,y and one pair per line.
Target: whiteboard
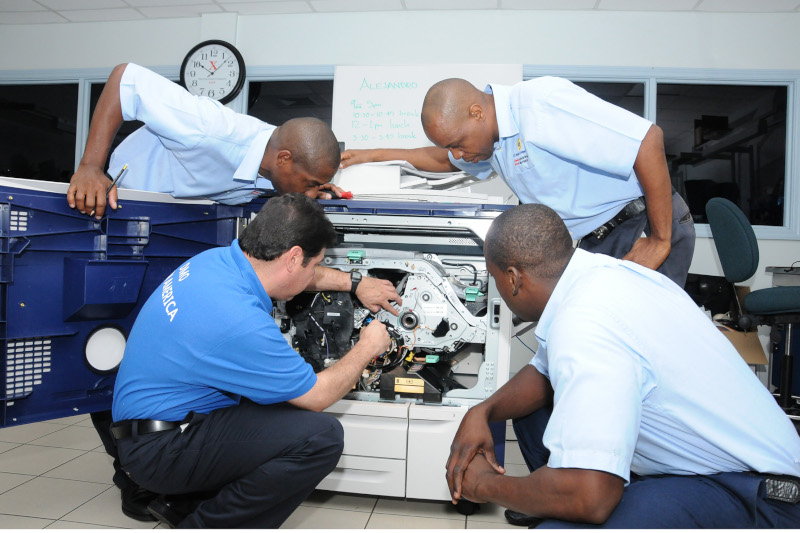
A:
x,y
379,107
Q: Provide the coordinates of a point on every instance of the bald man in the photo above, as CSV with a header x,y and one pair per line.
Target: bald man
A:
x,y
600,167
653,420
194,147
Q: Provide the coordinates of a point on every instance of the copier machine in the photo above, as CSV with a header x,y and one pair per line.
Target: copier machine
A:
x,y
71,287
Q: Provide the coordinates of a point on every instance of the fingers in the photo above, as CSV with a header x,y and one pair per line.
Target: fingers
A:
x,y
112,197
71,196
492,460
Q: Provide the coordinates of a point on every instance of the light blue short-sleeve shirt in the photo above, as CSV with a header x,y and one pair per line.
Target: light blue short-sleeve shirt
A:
x,y
644,382
565,148
190,146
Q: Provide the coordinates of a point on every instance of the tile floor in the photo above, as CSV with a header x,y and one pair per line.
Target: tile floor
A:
x,y
56,474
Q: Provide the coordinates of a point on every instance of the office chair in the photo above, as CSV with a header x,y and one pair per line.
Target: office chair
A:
x,y
737,248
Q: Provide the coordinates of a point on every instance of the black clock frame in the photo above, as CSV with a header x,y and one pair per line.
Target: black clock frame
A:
x,y
243,73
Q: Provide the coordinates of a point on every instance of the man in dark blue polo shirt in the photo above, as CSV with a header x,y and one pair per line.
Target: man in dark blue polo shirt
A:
x,y
211,398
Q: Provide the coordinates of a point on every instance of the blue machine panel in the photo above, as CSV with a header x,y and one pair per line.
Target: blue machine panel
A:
x,y
63,275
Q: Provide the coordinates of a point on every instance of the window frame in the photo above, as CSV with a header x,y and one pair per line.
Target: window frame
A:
x,y
649,76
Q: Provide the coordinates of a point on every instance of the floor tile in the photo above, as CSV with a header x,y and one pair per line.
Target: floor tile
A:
x,y
513,454
48,498
390,521
426,508
28,432
74,437
322,518
516,470
105,510
491,525
9,481
96,467
63,524
35,460
70,420
23,522
336,500
5,446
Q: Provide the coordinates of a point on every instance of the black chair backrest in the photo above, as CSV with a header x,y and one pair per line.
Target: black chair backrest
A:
x,y
734,239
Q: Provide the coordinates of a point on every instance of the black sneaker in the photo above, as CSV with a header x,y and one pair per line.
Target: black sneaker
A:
x,y
520,519
135,500
171,510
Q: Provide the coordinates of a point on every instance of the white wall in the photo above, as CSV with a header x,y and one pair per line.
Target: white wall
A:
x,y
592,39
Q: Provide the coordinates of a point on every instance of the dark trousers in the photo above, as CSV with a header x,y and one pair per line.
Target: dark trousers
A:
x,y
102,423
620,241
726,500
259,461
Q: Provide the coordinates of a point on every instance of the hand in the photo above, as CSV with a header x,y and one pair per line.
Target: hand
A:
x,y
375,293
356,157
323,194
649,252
376,338
87,191
475,476
473,437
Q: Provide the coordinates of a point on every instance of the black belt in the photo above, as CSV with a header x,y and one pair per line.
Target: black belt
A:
x,y
631,209
124,429
782,488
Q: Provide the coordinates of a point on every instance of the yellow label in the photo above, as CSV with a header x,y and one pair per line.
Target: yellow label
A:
x,y
414,385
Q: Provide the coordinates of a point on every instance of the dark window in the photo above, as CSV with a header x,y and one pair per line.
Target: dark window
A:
x,y
728,141
628,96
275,102
127,127
37,131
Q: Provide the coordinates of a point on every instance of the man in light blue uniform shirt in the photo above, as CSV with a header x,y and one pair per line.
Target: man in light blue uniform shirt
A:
x,y
655,421
600,167
195,147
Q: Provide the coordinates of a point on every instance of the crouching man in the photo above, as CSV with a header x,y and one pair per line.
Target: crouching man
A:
x,y
211,402
652,418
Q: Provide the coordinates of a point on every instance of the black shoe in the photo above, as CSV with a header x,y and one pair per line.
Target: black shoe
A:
x,y
519,519
171,510
135,500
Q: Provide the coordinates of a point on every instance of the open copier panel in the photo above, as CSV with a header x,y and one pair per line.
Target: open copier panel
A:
x,y
71,287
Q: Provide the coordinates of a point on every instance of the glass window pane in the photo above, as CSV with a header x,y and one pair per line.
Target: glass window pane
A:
x,y
728,141
275,102
127,127
628,96
37,131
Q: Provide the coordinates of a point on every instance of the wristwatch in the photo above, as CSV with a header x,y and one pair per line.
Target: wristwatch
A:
x,y
355,279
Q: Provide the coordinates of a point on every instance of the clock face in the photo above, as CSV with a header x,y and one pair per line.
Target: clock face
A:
x,y
214,69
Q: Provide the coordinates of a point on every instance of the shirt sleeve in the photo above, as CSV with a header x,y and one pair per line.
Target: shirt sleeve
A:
x,y
597,379
181,120
480,170
258,364
567,121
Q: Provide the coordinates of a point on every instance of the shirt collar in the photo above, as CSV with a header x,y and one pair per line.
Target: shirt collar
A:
x,y
581,262
249,275
248,169
506,127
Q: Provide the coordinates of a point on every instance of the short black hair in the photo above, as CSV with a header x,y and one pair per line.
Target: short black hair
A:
x,y
313,144
531,238
284,222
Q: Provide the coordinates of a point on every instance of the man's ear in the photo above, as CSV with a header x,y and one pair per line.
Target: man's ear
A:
x,y
293,258
514,279
476,112
284,157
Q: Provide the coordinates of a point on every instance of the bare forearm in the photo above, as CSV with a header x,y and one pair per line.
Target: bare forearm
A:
x,y
430,158
576,495
525,393
653,174
329,279
106,121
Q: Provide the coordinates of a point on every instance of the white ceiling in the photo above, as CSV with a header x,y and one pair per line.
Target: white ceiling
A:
x,y
65,11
